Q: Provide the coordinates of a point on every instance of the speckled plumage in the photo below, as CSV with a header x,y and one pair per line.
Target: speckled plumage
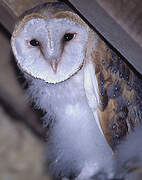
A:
x,y
94,98
120,93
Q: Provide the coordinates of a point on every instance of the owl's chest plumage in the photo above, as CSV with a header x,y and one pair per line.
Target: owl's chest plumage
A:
x,y
69,105
75,137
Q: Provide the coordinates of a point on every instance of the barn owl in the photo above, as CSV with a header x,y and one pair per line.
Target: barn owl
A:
x,y
91,97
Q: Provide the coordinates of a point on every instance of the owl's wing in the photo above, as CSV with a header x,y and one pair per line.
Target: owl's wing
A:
x,y
119,93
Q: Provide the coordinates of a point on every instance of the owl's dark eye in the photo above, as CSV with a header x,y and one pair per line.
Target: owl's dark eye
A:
x,y
68,36
34,42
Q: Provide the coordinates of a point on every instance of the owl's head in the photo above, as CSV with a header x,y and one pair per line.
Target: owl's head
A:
x,y
50,43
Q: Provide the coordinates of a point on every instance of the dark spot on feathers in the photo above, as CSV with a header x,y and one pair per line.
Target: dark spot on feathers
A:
x,y
128,103
129,86
102,91
127,74
114,91
114,67
103,98
114,126
103,61
121,71
101,79
120,101
120,60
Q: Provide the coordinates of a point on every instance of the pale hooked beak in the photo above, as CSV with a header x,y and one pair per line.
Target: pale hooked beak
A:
x,y
54,65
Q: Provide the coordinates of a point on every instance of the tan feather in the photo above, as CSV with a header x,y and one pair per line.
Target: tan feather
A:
x,y
118,111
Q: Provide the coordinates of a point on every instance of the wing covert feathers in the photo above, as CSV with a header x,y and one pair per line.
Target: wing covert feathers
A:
x,y
120,92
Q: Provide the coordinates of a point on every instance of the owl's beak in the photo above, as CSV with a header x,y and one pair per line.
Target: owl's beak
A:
x,y
54,65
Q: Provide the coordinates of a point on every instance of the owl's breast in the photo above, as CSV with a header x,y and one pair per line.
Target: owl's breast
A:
x,y
75,120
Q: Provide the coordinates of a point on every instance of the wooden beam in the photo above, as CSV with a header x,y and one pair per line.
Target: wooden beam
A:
x,y
7,16
126,13
10,10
